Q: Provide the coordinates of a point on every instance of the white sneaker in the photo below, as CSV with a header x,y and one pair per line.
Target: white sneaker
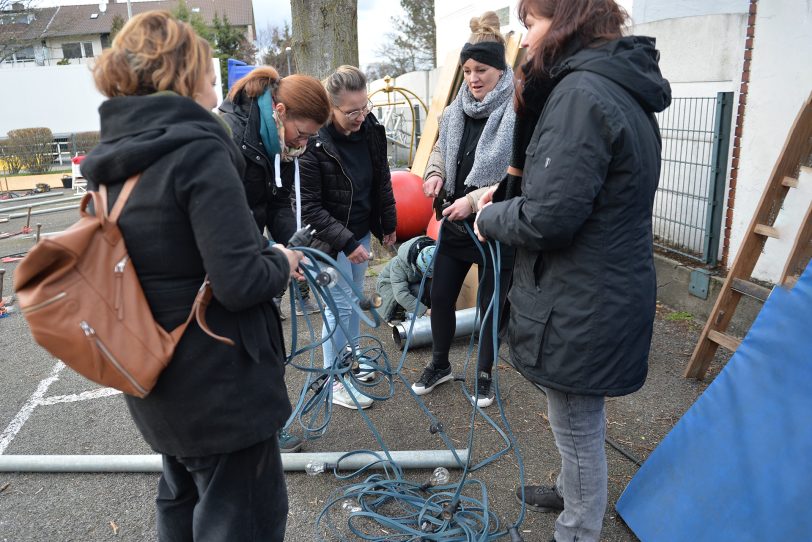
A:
x,y
366,372
342,397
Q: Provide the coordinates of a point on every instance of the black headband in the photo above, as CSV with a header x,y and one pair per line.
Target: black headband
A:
x,y
488,52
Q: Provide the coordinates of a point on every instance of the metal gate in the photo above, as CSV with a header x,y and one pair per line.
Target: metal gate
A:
x,y
689,201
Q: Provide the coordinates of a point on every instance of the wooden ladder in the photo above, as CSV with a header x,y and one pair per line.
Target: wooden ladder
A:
x,y
794,156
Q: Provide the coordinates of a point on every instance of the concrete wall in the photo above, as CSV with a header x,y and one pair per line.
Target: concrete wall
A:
x,y
62,98
780,82
646,11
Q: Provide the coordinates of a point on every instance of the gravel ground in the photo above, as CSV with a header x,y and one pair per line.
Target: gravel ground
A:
x,y
95,507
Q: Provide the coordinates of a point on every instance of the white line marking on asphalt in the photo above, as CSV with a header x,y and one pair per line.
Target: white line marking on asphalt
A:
x,y
22,416
74,397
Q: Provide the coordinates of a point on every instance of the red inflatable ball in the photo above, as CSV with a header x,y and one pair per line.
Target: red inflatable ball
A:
x,y
434,227
413,207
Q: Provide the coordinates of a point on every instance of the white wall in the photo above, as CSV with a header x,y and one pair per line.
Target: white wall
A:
x,y
62,98
780,82
655,10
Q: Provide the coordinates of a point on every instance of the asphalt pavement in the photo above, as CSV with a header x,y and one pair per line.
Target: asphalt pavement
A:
x,y
48,410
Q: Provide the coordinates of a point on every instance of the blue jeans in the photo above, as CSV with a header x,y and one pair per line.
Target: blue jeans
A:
x,y
346,315
579,426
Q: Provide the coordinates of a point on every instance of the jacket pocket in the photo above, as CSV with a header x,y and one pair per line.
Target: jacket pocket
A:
x,y
527,329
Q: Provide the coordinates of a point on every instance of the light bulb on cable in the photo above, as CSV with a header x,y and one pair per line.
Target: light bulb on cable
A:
x,y
440,477
349,505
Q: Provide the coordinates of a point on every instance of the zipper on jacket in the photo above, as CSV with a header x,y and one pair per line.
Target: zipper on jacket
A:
x,y
118,272
43,304
90,333
352,188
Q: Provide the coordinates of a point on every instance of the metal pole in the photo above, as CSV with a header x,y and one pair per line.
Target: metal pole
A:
x,y
408,459
467,322
287,54
129,10
39,203
42,212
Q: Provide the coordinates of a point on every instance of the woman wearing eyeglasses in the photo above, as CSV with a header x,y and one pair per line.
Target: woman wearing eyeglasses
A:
x,y
346,195
271,120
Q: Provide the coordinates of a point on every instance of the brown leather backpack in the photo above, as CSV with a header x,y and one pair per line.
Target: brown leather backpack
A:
x,y
84,303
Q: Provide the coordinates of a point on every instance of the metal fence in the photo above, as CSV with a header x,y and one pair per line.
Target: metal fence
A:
x,y
688,204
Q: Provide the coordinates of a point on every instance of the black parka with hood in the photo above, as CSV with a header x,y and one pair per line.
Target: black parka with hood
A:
x,y
186,218
584,288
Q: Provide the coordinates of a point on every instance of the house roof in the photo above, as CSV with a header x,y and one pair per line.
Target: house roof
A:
x,y
17,32
78,20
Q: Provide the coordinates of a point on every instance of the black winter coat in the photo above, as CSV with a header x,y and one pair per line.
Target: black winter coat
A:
x,y
327,191
187,217
269,204
584,289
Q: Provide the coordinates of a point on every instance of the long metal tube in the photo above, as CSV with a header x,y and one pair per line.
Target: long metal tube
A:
x,y
40,203
44,211
407,459
52,194
467,322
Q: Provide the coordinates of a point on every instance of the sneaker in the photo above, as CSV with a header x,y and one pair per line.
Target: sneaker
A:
x,y
289,444
307,306
278,302
365,371
484,391
342,397
541,498
431,378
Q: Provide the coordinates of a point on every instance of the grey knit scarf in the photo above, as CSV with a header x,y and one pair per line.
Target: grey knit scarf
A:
x,y
493,150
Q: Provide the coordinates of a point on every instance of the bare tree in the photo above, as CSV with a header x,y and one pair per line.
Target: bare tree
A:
x,y
273,43
414,46
18,33
325,35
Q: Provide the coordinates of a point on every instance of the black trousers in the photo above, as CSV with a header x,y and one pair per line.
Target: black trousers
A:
x,y
235,497
446,283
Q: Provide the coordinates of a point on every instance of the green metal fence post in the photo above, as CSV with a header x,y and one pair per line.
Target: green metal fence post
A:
x,y
718,177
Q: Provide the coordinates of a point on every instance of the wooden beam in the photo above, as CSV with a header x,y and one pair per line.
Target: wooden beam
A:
x,y
725,340
767,231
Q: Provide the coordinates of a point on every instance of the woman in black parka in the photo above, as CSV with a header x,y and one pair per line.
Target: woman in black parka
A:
x,y
215,409
583,293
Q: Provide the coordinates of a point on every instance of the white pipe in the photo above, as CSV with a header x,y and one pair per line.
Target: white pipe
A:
x,y
39,203
44,211
408,459
467,322
53,194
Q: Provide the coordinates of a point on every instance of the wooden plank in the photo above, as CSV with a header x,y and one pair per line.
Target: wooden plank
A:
x,y
767,231
799,255
750,289
795,152
790,182
725,340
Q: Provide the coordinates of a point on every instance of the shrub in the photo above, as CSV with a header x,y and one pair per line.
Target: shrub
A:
x,y
9,161
84,141
33,147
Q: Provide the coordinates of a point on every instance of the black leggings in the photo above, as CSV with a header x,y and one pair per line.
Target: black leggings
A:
x,y
449,274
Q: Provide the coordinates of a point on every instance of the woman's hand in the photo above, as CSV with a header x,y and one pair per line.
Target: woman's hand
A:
x,y
294,257
476,220
432,186
359,255
487,197
389,239
458,210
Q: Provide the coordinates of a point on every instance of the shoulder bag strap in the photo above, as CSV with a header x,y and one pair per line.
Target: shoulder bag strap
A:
x,y
202,300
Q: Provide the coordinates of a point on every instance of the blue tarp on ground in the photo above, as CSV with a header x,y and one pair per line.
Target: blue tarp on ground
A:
x,y
738,465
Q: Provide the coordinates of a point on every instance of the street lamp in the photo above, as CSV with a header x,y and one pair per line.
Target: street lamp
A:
x,y
287,53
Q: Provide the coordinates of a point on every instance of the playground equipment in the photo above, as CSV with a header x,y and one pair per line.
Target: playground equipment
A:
x,y
413,207
402,124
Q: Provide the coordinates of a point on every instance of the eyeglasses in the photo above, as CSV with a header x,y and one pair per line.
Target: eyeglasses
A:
x,y
301,135
352,115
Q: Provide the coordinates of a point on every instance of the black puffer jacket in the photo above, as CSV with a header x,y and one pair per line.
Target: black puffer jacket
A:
x,y
584,289
186,218
269,204
327,191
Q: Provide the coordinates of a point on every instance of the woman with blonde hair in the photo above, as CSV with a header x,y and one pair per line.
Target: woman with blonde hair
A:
x,y
471,155
271,119
215,410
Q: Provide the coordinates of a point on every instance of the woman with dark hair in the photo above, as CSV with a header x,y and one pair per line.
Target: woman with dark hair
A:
x,y
584,289
271,119
471,155
215,410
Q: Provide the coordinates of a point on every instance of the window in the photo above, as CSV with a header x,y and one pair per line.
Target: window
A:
x,y
88,48
71,50
24,54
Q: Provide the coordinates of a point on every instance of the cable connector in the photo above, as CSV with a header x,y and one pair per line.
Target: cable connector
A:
x,y
302,237
514,535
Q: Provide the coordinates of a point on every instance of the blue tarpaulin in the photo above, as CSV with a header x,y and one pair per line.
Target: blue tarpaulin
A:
x,y
237,69
738,465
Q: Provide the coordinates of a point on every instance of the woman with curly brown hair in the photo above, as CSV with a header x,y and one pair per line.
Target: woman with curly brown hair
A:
x,y
584,290
215,410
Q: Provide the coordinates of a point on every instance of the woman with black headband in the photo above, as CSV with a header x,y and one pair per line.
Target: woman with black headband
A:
x,y
471,155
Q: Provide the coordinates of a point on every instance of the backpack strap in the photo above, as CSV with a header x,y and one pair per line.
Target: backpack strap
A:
x,y
121,200
198,312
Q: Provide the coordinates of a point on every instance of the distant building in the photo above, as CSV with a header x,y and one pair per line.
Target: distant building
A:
x,y
76,34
